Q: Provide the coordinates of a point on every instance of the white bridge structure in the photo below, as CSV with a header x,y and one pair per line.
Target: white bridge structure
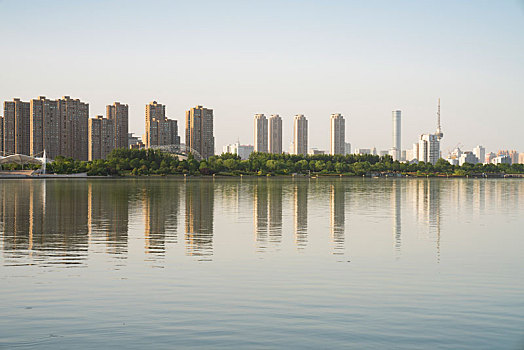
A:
x,y
182,151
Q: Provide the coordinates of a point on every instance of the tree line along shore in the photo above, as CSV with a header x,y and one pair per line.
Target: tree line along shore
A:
x,y
131,162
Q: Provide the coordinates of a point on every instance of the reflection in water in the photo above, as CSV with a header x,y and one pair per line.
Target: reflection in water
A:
x,y
337,203
397,208
267,213
260,214
44,220
427,206
300,212
61,221
161,203
108,215
199,218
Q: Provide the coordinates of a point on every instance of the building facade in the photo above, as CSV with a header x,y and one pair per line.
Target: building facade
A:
x,y
1,135
101,137
261,133
275,134
45,125
300,135
243,151
480,153
199,131
16,127
119,114
160,130
396,147
337,134
73,115
429,148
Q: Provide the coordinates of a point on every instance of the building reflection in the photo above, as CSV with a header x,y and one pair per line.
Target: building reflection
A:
x,y
161,202
275,212
300,196
260,214
396,201
337,203
108,214
199,218
267,213
44,220
426,194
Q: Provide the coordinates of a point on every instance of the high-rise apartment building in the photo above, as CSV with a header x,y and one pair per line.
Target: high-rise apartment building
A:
x,y
521,157
275,134
338,134
101,137
74,115
16,127
1,135
429,148
199,131
260,138
45,125
480,153
119,114
159,129
300,135
155,112
396,148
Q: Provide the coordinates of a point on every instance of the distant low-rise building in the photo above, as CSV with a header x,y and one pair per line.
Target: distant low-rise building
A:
x,y
521,158
480,153
503,159
467,157
243,151
315,151
362,151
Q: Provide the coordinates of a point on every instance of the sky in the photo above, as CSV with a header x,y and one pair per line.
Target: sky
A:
x,y
362,59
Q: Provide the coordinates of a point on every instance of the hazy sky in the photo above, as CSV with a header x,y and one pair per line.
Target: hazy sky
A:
x,y
359,58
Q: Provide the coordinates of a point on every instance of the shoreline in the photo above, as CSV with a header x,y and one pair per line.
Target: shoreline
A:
x,y
222,176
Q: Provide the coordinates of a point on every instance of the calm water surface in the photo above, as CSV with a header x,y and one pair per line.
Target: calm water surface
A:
x,y
262,263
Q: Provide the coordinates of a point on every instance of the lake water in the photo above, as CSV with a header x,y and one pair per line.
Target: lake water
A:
x,y
262,263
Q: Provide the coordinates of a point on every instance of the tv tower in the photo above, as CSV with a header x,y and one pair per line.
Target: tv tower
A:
x,y
439,132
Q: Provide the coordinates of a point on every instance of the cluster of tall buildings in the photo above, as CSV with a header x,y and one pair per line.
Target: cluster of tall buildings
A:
x,y
160,130
268,134
60,128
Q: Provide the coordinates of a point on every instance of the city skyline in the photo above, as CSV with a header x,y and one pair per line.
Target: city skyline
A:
x,y
345,59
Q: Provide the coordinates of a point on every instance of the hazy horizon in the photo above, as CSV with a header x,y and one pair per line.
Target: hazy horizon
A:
x,y
360,59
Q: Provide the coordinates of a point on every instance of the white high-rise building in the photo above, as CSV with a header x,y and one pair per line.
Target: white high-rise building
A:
x,y
396,148
261,142
300,131
480,153
275,134
338,134
429,148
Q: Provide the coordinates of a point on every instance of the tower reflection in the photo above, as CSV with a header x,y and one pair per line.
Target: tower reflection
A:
x,y
337,202
108,214
161,202
396,199
44,220
300,197
267,213
200,197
